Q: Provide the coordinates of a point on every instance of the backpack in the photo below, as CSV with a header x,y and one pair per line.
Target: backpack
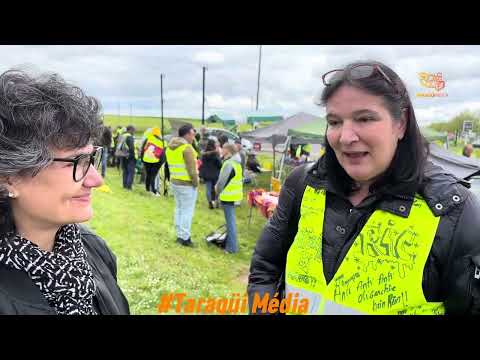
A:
x,y
122,147
218,237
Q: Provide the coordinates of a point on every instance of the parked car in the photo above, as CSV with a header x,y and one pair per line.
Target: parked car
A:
x,y
216,133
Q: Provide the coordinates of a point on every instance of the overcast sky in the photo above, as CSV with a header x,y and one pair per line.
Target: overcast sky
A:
x,y
124,76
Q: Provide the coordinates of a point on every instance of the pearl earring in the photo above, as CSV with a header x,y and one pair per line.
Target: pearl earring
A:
x,y
12,195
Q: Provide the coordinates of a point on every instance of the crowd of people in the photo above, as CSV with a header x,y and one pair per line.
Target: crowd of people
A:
x,y
189,159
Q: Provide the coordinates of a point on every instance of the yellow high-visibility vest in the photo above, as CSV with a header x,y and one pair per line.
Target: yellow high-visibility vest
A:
x,y
307,148
151,145
234,189
381,273
176,162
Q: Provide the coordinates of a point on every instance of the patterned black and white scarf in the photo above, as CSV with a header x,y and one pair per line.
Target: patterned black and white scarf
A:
x,y
63,275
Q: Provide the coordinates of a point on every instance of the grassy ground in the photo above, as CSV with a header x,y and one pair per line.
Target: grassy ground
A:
x,y
139,229
459,148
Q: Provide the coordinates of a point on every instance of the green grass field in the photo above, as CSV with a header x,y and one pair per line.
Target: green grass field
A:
x,y
139,229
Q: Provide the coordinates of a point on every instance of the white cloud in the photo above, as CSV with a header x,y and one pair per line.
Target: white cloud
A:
x,y
290,76
209,58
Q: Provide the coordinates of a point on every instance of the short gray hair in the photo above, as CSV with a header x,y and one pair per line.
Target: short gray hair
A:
x,y
39,114
232,149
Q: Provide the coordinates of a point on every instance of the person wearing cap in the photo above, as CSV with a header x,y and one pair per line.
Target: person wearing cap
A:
x,y
153,157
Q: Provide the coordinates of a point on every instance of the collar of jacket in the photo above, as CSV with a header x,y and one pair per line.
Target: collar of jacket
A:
x,y
18,286
441,190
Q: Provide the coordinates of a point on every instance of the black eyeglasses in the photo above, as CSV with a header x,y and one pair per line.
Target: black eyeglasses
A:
x,y
81,164
357,72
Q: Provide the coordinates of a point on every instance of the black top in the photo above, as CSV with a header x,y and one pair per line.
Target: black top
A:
x,y
20,296
106,138
450,271
210,168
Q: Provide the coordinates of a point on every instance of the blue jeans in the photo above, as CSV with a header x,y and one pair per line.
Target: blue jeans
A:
x,y
128,166
231,244
185,198
104,160
210,187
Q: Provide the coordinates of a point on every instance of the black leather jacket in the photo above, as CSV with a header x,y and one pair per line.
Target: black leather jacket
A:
x,y
20,296
450,272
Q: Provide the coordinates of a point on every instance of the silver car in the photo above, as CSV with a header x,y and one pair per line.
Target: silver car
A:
x,y
216,133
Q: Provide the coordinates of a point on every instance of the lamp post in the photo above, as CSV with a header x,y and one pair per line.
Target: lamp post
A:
x,y
203,97
259,67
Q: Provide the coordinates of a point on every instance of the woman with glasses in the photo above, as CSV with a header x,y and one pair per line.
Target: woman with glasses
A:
x,y
48,168
372,227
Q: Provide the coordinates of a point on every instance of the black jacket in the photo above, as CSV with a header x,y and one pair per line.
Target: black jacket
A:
x,y
20,296
210,168
106,139
449,274
131,147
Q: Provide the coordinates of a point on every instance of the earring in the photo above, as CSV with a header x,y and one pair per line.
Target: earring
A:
x,y
12,195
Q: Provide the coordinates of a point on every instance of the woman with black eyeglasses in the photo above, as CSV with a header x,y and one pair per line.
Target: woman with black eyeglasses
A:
x,y
48,167
372,227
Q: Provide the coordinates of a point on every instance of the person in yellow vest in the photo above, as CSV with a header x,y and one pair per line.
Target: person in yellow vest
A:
x,y
181,160
153,157
230,189
373,227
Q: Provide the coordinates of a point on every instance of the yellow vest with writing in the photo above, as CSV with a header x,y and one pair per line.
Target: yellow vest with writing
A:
x,y
234,189
381,273
176,162
148,154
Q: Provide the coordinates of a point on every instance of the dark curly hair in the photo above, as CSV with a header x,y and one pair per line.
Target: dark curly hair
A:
x,y
39,114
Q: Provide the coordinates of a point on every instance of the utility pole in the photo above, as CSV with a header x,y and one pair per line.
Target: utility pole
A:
x,y
161,107
259,67
165,192
203,97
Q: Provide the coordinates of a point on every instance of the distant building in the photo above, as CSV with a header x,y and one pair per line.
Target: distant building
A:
x,y
259,118
226,121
